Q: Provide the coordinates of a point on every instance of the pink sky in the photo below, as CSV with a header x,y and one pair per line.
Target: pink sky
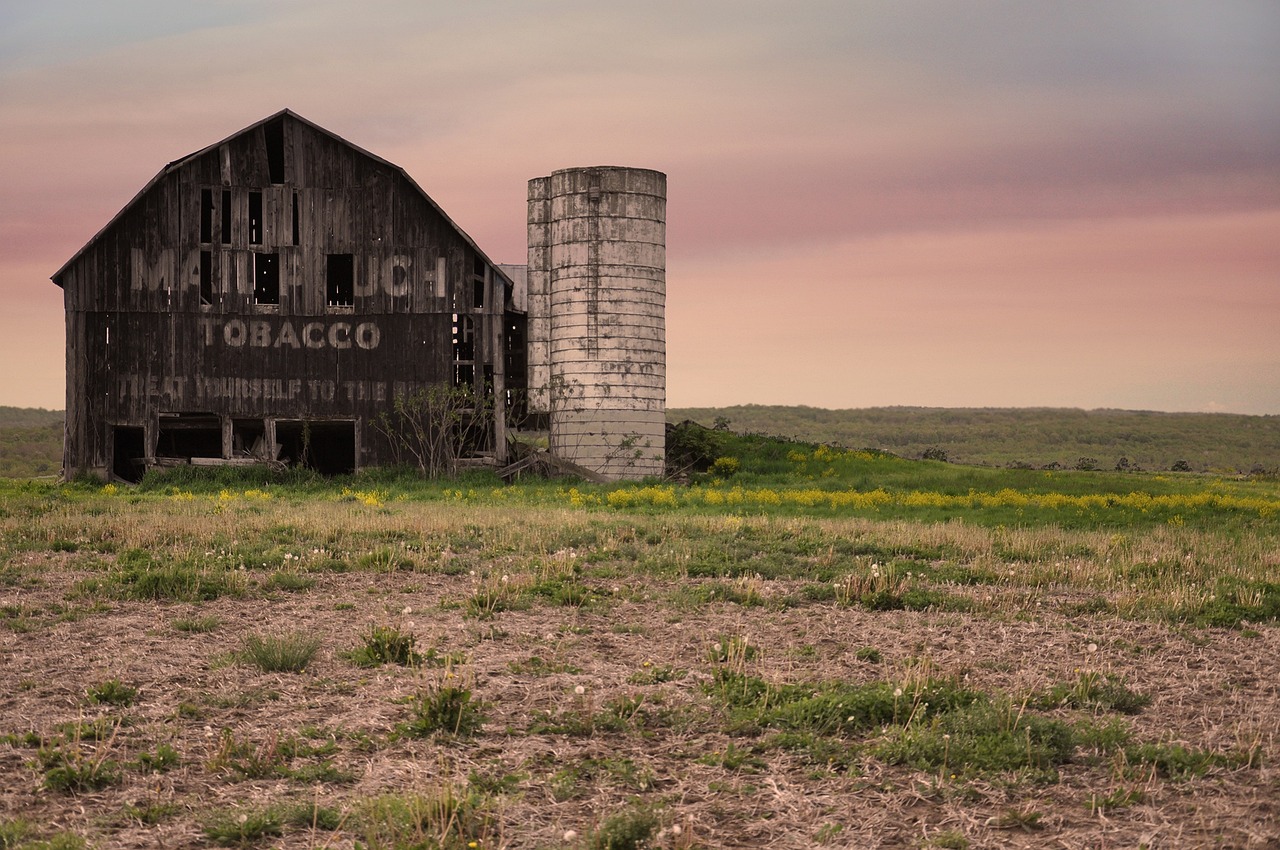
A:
x,y
917,202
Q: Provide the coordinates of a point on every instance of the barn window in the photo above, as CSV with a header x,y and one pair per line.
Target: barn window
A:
x,y
340,281
464,350
206,277
274,134
266,278
255,218
206,215
226,216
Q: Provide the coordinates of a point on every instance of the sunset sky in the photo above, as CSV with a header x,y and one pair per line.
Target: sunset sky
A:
x,y
904,202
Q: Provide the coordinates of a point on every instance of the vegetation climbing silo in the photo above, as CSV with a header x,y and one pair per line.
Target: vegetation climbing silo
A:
x,y
597,328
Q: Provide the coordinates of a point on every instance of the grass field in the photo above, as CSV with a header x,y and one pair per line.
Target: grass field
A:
x,y
1038,437
803,647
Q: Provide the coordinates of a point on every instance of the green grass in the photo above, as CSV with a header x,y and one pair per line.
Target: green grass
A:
x,y
290,652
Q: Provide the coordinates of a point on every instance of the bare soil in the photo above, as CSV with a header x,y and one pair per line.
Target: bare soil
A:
x,y
1213,690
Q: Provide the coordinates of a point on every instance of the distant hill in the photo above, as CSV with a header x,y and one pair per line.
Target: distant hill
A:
x,y
30,442
1023,436
29,417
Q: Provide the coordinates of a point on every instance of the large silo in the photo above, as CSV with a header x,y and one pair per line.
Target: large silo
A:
x,y
597,331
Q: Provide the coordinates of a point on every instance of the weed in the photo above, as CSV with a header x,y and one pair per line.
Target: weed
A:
x,y
1179,763
111,692
448,817
244,828
283,653
70,768
627,830
196,625
1121,798
446,709
289,582
150,814
869,654
1094,692
313,816
536,666
164,758
386,645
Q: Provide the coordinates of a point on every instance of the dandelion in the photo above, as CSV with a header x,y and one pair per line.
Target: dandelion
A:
x,y
570,835
897,692
580,690
407,610
676,829
1093,647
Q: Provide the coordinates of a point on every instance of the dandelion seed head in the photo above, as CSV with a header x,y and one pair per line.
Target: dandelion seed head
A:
x,y
570,835
580,690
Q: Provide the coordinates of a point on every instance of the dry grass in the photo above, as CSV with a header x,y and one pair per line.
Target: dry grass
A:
x,y
600,708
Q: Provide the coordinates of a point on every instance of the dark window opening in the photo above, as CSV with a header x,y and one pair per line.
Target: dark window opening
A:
x,y
248,439
206,277
188,435
477,267
128,453
206,215
328,447
266,278
226,216
477,294
274,133
255,218
464,374
340,281
296,219
463,337
516,361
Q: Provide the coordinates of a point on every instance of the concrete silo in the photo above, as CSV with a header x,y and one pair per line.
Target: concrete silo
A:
x,y
597,332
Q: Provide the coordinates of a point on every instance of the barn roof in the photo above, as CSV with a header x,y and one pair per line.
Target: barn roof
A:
x,y
179,163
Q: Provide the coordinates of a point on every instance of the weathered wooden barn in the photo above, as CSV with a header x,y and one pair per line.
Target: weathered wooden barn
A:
x,y
268,297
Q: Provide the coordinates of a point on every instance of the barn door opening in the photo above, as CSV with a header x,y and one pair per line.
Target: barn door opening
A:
x,y
128,453
327,446
188,435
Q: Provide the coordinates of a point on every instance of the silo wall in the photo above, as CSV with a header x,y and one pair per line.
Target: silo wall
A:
x,y
597,298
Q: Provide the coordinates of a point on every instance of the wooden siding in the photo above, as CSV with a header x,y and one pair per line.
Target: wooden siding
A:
x,y
141,344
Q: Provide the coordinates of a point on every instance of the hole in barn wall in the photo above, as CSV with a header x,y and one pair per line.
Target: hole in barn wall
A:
x,y
255,218
206,278
266,278
128,453
340,280
273,132
206,215
326,446
188,435
226,216
248,439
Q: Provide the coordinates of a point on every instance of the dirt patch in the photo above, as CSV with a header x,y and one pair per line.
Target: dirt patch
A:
x,y
547,766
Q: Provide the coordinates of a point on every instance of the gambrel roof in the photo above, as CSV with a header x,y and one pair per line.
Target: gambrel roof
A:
x,y
179,163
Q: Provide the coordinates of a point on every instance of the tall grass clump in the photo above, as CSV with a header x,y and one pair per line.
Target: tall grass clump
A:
x,y
283,653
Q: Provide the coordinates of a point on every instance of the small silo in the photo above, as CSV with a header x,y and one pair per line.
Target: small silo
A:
x,y
597,330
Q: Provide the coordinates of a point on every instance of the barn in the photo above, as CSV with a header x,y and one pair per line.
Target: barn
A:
x,y
270,297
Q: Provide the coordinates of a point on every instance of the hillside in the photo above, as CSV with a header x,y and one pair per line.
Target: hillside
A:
x,y
29,417
1034,436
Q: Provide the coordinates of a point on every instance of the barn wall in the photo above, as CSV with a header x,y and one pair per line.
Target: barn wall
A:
x,y
162,316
